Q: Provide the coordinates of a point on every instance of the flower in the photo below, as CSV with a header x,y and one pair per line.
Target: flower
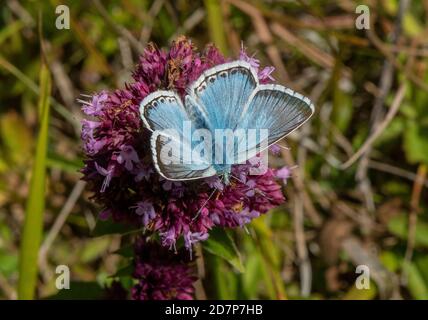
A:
x,y
284,174
193,237
128,156
119,168
264,74
107,173
275,149
161,275
94,108
146,211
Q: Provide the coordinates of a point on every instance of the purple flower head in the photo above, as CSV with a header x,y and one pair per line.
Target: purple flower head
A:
x,y
161,275
119,168
151,67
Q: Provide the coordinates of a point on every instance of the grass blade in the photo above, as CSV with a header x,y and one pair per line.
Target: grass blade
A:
x,y
33,224
216,24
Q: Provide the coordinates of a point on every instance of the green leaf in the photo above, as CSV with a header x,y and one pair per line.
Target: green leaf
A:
x,y
422,264
125,271
125,251
56,161
8,262
252,276
416,141
106,227
94,248
399,226
16,137
33,224
224,280
221,244
80,291
415,282
361,294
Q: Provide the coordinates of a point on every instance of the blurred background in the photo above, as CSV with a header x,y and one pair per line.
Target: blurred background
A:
x,y
357,195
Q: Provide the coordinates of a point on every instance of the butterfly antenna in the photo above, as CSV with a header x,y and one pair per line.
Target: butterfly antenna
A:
x,y
203,206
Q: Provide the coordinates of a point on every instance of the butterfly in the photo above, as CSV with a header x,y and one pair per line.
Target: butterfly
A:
x,y
225,98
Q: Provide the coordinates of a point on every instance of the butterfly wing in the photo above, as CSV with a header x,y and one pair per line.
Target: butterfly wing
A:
x,y
220,93
218,98
163,110
164,114
276,108
172,167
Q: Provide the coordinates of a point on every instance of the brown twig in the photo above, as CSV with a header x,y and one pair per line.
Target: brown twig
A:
x,y
310,210
386,79
385,167
359,255
61,218
413,217
379,129
265,36
148,25
200,265
123,32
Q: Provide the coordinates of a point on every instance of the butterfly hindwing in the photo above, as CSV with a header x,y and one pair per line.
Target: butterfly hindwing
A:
x,y
276,108
175,168
163,113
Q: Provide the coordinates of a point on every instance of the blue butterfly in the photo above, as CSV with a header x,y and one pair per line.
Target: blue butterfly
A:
x,y
225,98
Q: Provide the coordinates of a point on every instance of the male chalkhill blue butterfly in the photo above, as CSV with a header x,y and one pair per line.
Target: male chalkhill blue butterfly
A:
x,y
187,141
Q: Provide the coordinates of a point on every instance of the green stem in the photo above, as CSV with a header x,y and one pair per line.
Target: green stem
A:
x,y
216,24
33,224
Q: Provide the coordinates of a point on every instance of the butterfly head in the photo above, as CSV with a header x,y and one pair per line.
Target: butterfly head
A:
x,y
224,172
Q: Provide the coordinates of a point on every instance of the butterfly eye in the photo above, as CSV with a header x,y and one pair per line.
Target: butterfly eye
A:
x,y
162,100
223,74
155,104
211,79
234,70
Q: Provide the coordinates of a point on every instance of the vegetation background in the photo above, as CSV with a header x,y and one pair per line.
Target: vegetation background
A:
x,y
357,196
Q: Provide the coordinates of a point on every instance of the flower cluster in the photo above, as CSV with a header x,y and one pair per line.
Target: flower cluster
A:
x,y
119,168
161,275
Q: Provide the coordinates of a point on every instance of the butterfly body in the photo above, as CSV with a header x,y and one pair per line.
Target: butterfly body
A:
x,y
226,118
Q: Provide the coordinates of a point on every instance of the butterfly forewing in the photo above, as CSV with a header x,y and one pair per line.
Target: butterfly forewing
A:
x,y
222,92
